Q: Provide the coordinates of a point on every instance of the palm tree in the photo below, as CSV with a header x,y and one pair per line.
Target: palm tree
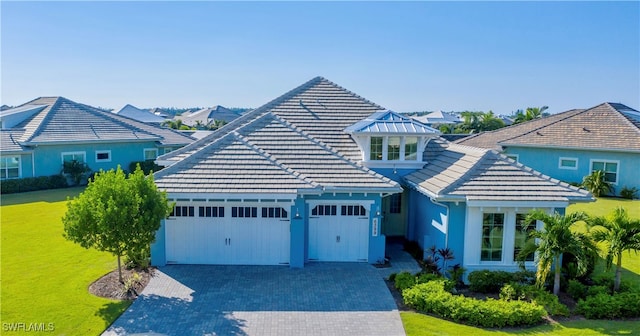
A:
x,y
552,241
530,114
597,184
489,122
620,233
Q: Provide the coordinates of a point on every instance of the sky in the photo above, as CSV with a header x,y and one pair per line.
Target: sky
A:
x,y
404,56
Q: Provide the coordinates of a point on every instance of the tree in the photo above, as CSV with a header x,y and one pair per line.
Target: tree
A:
x,y
554,239
530,114
620,233
489,122
597,184
76,170
116,214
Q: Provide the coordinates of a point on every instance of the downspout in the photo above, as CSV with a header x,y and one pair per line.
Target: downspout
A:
x,y
33,164
446,234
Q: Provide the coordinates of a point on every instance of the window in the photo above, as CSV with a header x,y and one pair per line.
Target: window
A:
x,y
103,156
182,211
393,148
395,203
522,235
274,213
208,211
168,150
610,169
70,156
376,148
10,167
353,210
324,210
492,229
568,163
244,212
411,148
150,153
513,157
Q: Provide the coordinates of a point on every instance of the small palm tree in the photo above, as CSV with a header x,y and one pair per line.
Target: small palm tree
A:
x,y
553,240
530,114
597,184
620,233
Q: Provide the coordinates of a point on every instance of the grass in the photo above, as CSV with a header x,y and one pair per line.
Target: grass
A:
x,y
417,324
45,278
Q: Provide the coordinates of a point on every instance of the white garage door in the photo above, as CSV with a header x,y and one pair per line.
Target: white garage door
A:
x,y
338,233
228,235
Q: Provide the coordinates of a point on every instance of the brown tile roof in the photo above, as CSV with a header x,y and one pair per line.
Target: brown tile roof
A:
x,y
608,126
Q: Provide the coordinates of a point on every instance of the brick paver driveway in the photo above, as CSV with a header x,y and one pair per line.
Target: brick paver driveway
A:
x,y
320,299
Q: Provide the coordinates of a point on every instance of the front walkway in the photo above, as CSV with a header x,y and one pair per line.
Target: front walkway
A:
x,y
400,261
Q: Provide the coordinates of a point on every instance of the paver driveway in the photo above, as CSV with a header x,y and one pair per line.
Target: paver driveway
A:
x,y
320,299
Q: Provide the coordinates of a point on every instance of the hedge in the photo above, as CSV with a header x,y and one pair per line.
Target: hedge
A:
x,y
33,183
605,306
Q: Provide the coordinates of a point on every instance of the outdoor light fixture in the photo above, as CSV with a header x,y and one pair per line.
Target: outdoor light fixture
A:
x,y
297,214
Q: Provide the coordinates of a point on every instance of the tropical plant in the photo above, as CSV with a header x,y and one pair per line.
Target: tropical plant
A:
x,y
619,233
629,192
552,241
529,114
76,170
446,254
597,184
116,214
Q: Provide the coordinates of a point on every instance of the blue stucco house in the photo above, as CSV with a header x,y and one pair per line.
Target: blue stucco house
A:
x,y
38,136
322,174
571,145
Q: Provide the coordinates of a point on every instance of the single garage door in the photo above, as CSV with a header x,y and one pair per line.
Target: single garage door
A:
x,y
228,235
338,232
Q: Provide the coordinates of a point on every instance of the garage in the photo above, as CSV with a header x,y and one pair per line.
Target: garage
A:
x,y
222,234
338,232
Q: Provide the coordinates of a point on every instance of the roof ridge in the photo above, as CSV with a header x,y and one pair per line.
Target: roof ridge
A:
x,y
273,159
473,169
329,148
350,92
30,134
625,118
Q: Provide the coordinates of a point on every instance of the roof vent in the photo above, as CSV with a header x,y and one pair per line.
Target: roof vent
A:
x,y
538,133
586,129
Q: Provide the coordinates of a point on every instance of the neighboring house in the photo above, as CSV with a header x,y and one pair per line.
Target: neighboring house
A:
x,y
322,174
160,112
572,144
144,116
38,136
207,116
439,118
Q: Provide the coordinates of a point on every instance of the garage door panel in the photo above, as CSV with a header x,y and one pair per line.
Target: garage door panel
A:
x,y
340,235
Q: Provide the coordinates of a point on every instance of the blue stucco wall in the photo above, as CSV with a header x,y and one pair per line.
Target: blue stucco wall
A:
x,y
546,161
158,247
299,237
48,159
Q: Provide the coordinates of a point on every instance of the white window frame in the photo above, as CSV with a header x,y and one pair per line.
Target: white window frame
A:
x,y
563,158
514,157
84,156
144,153
108,152
617,162
19,159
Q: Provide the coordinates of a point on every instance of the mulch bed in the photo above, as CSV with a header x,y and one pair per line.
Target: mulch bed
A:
x,y
110,287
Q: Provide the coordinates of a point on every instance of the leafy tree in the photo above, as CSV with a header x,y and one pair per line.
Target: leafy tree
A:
x,y
620,233
489,122
474,122
216,124
597,184
530,114
554,239
76,170
116,214
177,124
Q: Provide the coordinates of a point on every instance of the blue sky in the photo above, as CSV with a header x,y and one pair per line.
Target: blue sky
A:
x,y
409,56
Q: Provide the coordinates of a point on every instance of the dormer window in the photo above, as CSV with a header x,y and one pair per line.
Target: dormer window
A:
x,y
375,153
393,148
410,148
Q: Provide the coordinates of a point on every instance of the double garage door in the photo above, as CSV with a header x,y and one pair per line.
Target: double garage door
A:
x,y
228,235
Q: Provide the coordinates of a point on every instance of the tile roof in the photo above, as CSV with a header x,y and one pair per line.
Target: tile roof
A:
x,y
144,116
288,132
208,115
470,173
9,142
63,120
390,122
608,126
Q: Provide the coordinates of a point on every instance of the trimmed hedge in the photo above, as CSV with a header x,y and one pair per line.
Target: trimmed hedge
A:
x,y
33,183
431,297
605,306
539,296
486,281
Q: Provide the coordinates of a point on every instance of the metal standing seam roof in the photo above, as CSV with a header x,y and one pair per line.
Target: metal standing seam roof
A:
x,y
390,122
135,113
207,115
63,120
471,173
608,126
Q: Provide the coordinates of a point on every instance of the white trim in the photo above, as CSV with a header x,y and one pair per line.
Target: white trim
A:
x,y
84,154
514,157
19,159
108,152
617,162
518,204
315,202
560,166
622,150
144,153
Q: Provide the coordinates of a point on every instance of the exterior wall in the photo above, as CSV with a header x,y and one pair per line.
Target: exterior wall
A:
x,y
158,247
546,161
48,159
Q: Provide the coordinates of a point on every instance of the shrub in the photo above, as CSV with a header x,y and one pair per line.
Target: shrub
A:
x,y
597,184
524,277
607,280
486,281
431,297
147,166
531,293
605,306
629,193
32,184
76,170
392,277
576,289
595,290
404,280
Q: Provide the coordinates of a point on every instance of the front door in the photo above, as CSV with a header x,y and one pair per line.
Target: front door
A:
x,y
394,214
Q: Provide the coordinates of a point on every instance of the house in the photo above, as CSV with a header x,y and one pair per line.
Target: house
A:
x,y
572,144
144,116
38,136
207,116
439,118
322,174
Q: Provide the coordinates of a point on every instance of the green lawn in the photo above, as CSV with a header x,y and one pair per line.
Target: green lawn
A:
x,y
417,324
45,277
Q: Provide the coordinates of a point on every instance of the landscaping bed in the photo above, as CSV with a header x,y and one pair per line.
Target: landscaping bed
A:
x,y
109,286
